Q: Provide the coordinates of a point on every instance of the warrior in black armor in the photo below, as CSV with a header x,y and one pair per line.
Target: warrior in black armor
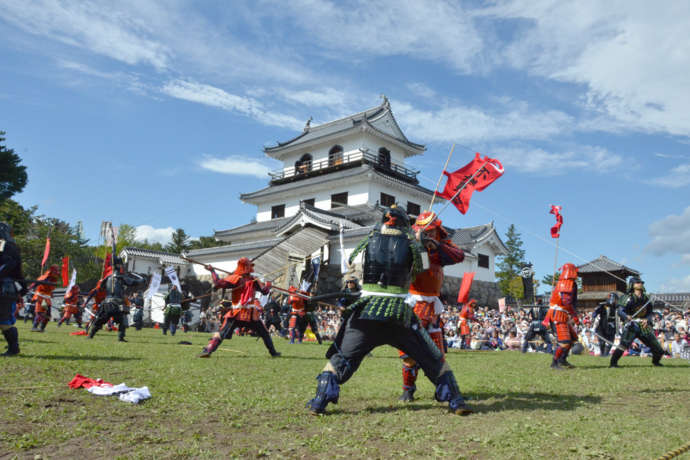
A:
x,y
536,328
11,287
116,303
173,310
635,310
139,311
604,320
272,317
381,317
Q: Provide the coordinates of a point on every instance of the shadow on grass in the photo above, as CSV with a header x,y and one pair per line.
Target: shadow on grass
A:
x,y
82,357
499,402
513,400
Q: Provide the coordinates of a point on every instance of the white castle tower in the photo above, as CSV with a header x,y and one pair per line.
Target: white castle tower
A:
x,y
335,179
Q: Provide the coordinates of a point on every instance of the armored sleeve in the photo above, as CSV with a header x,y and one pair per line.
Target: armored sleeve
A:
x,y
10,261
622,308
416,251
450,253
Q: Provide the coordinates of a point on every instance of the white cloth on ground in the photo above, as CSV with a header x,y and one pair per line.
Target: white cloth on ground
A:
x,y
127,394
136,395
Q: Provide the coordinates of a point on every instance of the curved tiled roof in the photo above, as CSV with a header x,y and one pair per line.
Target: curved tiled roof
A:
x,y
165,257
604,264
375,117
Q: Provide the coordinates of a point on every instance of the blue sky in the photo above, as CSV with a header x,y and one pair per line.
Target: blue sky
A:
x,y
154,113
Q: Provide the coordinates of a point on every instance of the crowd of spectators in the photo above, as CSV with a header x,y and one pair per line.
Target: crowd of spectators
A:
x,y
503,330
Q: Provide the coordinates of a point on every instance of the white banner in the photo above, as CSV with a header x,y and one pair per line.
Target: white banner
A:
x,y
153,285
343,261
172,274
72,281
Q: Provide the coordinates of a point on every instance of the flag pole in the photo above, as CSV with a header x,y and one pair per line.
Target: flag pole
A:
x,y
555,263
441,177
455,196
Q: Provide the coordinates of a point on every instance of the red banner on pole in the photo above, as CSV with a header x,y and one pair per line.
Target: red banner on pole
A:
x,y
475,175
556,229
65,271
46,253
464,293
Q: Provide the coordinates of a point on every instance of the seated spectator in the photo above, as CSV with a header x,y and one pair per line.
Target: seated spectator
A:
x,y
512,341
677,346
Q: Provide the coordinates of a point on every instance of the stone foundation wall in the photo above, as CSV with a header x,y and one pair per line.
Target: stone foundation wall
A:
x,y
485,292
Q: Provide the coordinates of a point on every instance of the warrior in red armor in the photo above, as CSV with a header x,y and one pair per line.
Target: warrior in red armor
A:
x,y
71,306
244,312
42,298
562,314
466,316
426,288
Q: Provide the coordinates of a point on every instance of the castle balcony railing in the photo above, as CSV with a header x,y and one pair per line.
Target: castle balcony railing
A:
x,y
341,161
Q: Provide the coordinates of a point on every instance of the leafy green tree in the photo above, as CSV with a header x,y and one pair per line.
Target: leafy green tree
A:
x,y
179,243
205,242
13,177
509,266
548,281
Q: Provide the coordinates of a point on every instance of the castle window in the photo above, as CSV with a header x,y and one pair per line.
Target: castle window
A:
x,y
483,260
338,200
335,156
278,211
387,200
385,157
303,165
413,209
309,202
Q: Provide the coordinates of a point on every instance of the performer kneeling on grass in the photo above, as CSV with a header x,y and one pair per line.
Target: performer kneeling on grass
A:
x,y
116,304
10,277
562,314
381,317
244,312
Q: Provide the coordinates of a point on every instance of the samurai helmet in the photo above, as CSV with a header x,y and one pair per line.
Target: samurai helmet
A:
x,y
54,270
396,217
612,299
632,281
568,272
428,219
244,266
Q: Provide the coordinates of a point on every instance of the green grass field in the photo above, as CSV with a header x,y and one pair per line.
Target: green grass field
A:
x,y
242,403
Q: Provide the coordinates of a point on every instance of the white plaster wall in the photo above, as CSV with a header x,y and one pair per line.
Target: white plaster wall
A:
x,y
148,266
470,264
401,197
374,143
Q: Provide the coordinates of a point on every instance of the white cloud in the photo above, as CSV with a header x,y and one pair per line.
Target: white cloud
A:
x,y
154,235
536,160
328,97
676,178
421,90
235,165
676,285
433,30
216,97
120,34
671,235
473,124
630,57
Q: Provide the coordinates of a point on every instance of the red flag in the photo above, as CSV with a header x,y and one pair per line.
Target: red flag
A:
x,y
107,265
464,292
46,253
65,271
556,229
477,175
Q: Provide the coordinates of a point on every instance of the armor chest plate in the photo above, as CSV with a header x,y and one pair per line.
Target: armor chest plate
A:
x,y
387,260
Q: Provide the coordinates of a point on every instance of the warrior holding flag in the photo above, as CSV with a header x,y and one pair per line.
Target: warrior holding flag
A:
x,y
43,297
635,308
392,258
425,290
244,312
